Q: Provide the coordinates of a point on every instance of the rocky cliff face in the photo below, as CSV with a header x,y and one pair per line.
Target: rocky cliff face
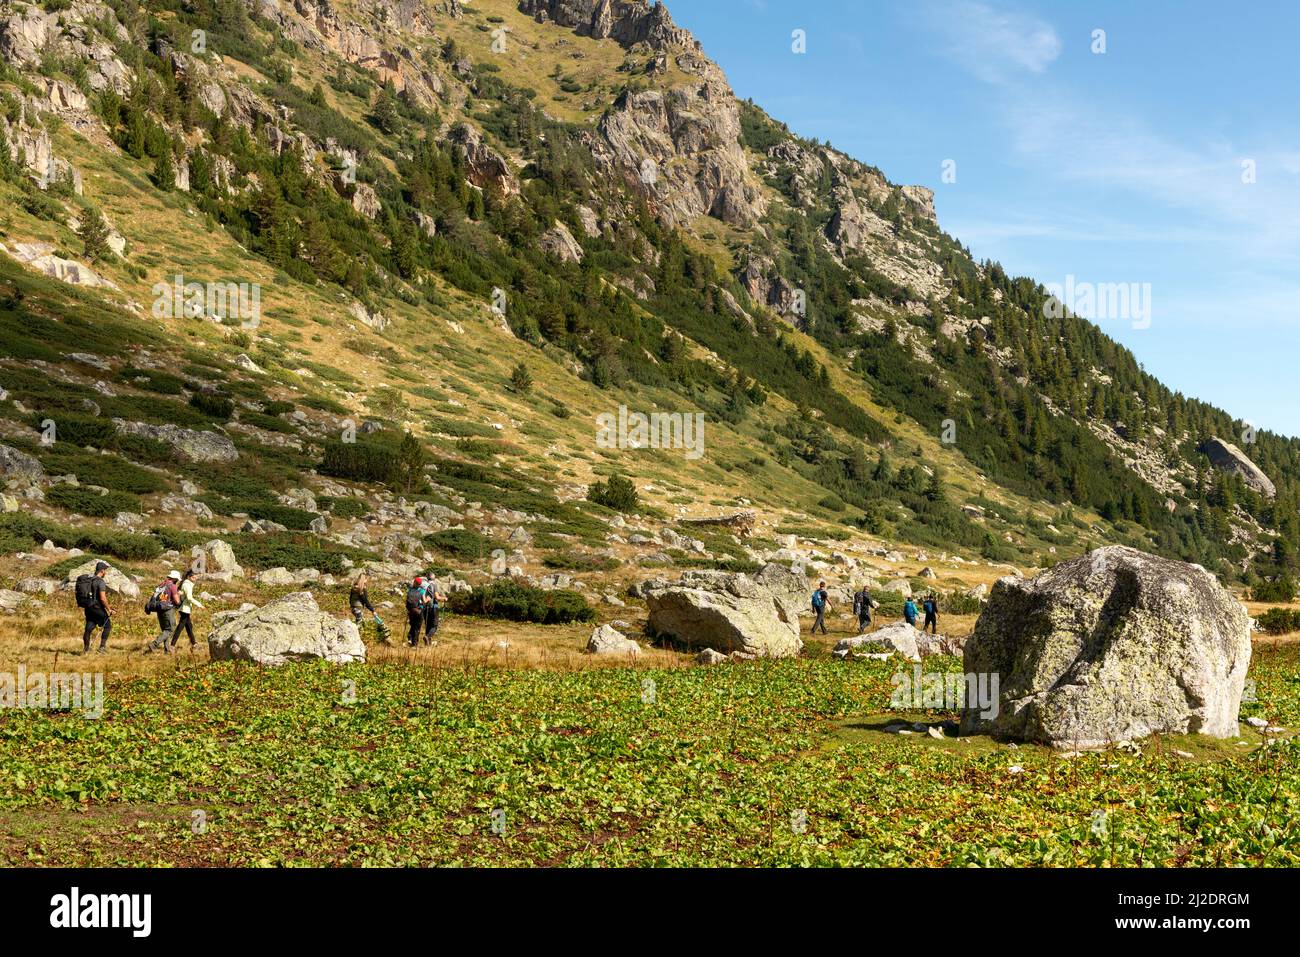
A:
x,y
1228,458
627,21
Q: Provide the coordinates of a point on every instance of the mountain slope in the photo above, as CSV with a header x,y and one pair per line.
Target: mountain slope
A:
x,y
428,195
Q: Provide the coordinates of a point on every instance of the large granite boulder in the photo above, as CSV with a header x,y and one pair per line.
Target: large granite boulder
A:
x,y
724,611
292,628
784,582
1109,647
1228,458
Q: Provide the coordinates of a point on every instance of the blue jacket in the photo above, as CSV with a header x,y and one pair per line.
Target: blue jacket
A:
x,y
909,611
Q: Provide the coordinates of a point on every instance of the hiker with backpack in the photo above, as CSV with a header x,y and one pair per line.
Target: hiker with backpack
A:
x,y
432,608
862,605
91,593
930,605
821,600
909,612
415,602
359,603
163,603
187,605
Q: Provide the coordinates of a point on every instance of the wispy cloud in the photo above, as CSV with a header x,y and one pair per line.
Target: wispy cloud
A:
x,y
993,45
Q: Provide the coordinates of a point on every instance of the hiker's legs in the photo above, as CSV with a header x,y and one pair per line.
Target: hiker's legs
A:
x,y
166,624
932,623
88,632
863,622
820,622
103,635
431,621
416,620
186,624
357,615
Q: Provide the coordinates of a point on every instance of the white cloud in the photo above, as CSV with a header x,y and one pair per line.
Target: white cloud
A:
x,y
991,44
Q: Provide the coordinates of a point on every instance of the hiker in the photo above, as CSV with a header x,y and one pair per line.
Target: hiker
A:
x,y
432,608
163,603
909,612
359,602
931,608
821,600
188,604
92,597
862,605
415,602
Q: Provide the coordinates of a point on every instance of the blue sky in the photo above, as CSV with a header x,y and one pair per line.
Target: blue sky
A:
x,y
1126,166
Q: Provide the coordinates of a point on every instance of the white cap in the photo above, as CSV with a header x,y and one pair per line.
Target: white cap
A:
x,y
174,574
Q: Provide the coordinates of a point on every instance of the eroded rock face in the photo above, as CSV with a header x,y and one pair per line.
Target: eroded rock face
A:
x,y
626,21
1109,647
292,628
727,612
1228,458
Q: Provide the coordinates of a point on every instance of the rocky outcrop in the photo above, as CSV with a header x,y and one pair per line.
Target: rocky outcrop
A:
x,y
1228,458
40,256
485,167
727,612
626,21
292,628
191,445
558,241
1112,646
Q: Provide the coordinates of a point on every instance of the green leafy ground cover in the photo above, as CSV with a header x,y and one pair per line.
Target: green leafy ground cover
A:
x,y
781,763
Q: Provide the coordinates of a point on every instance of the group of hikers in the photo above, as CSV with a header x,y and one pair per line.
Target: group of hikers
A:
x,y
173,602
863,604
423,608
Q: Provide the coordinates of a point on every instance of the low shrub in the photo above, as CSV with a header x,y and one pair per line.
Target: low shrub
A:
x,y
83,501
517,602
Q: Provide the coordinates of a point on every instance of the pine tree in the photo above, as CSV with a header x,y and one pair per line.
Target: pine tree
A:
x,y
521,380
93,231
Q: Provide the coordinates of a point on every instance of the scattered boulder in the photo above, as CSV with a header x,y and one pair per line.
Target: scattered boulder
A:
x,y
191,445
292,628
608,640
117,583
897,637
221,558
19,465
276,576
710,657
1112,646
731,612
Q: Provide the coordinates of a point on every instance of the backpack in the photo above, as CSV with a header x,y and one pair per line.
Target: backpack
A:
x,y
414,599
85,591
156,602
818,602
